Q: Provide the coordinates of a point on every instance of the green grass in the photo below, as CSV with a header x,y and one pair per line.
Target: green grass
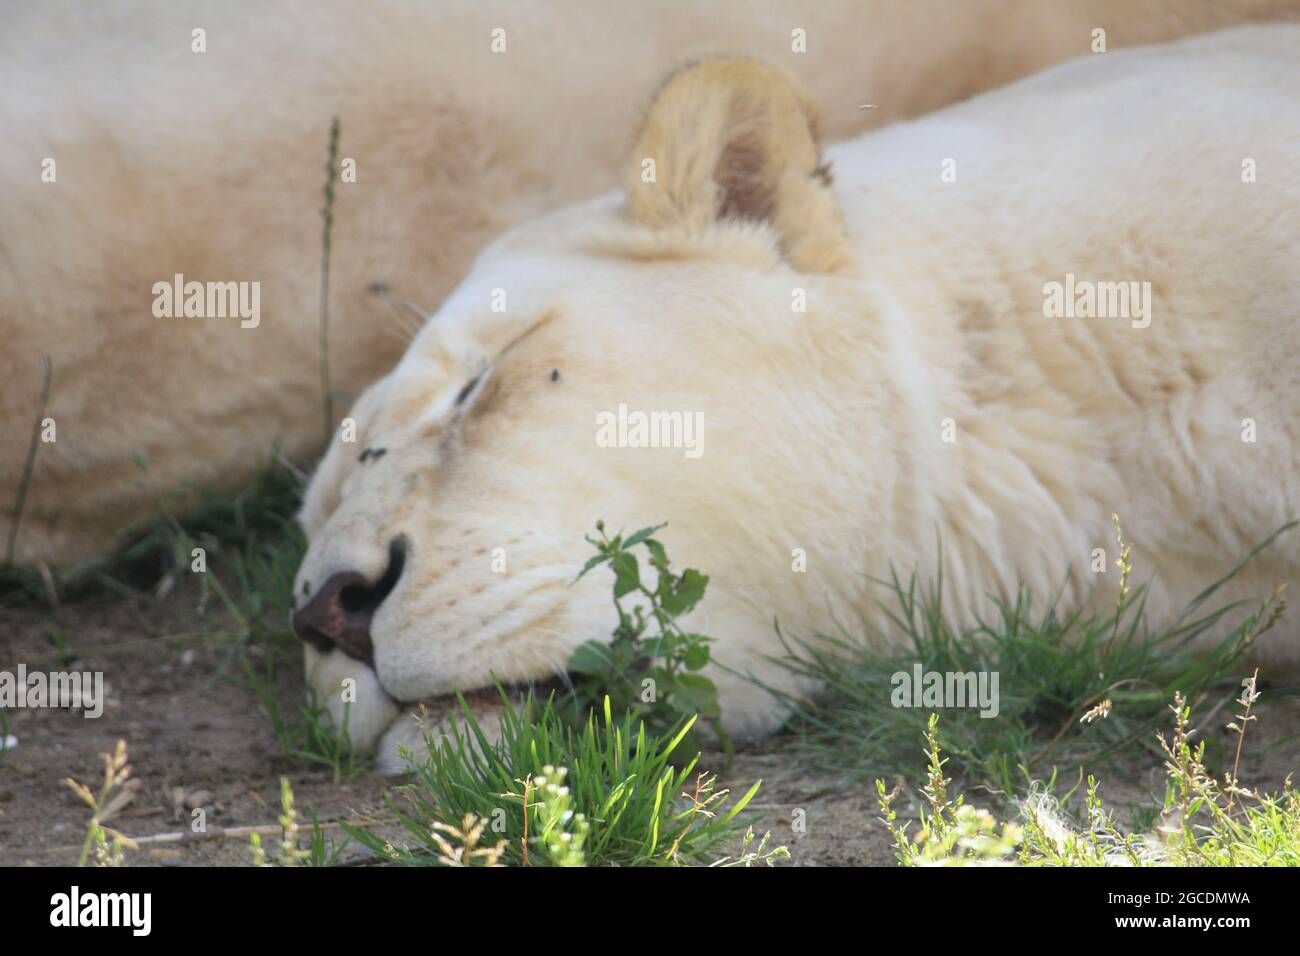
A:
x,y
635,807
1054,669
1204,822
305,735
257,517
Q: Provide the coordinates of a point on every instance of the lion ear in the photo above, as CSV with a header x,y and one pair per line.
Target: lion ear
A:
x,y
737,139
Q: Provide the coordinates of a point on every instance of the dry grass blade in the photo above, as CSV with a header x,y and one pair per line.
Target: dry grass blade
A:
x,y
20,500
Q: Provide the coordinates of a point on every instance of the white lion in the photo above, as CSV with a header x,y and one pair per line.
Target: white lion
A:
x,y
147,140
869,347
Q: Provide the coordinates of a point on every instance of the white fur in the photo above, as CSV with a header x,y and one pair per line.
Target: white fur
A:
x,y
823,429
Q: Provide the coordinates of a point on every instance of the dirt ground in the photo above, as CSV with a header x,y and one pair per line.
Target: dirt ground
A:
x,y
198,736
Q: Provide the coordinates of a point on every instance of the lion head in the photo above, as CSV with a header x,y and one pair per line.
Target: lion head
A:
x,y
634,359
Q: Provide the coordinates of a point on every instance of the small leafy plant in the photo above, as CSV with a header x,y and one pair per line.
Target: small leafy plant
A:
x,y
458,846
296,847
651,667
1203,829
103,845
751,854
952,833
291,852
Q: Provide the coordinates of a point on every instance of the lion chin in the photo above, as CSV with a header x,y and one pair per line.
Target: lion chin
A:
x,y
399,734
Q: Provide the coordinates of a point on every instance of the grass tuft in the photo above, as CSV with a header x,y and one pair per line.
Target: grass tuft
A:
x,y
619,800
1075,690
258,518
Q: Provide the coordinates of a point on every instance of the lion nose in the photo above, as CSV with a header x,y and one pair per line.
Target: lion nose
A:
x,y
340,612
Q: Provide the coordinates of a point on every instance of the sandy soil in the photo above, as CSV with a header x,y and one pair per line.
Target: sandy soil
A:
x,y
197,735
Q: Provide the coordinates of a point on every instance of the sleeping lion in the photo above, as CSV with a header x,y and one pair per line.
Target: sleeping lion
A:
x,y
970,338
